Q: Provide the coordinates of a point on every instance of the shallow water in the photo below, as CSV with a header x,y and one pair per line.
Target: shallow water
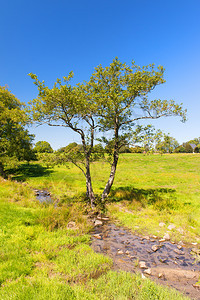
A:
x,y
171,262
43,196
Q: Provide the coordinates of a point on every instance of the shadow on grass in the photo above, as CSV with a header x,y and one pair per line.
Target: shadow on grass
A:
x,y
160,198
24,171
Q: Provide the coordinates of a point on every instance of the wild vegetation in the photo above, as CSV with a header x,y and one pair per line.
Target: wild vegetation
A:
x,y
45,248
43,257
111,102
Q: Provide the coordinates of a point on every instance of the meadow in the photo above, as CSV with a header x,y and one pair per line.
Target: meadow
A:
x,y
44,258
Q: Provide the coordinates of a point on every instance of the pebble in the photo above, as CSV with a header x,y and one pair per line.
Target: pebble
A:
x,y
120,252
196,251
162,240
155,247
98,223
71,224
163,259
160,275
161,224
179,247
102,218
166,237
180,230
180,243
179,252
154,236
147,271
146,238
97,236
142,265
172,226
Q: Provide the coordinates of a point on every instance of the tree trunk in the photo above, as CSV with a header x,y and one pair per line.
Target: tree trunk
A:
x,y
114,164
111,178
2,173
90,192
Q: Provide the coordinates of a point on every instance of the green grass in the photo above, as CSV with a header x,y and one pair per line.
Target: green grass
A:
x,y
147,190
41,258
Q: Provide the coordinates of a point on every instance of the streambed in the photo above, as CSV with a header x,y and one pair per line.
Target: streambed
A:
x,y
161,260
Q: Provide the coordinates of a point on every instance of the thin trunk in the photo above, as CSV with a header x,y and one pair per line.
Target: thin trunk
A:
x,y
114,164
111,178
90,192
2,173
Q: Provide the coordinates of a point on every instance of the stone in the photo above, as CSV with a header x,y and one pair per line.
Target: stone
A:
x,y
127,252
179,252
103,218
180,243
189,275
120,251
162,224
194,244
142,265
196,251
146,238
163,259
180,230
98,223
179,247
97,236
71,224
196,285
155,248
154,236
171,226
160,275
166,237
162,240
147,271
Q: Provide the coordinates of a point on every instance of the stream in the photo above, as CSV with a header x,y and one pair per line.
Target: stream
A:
x,y
161,260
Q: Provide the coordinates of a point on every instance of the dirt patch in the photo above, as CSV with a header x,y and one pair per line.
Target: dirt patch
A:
x,y
165,262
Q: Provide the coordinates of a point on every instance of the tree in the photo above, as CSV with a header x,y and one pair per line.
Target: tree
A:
x,y
43,147
145,136
113,100
165,143
121,93
15,141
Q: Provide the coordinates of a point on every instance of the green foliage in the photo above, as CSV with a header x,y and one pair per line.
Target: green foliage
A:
x,y
15,141
166,144
112,101
43,147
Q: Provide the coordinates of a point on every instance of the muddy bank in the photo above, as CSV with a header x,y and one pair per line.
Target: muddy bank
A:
x,y
161,260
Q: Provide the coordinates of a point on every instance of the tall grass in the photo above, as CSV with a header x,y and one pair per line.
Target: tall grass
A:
x,y
147,190
41,258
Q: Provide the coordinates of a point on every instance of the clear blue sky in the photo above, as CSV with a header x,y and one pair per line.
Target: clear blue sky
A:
x,y
51,38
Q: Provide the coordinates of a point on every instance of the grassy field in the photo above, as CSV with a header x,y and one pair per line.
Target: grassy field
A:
x,y
42,258
147,190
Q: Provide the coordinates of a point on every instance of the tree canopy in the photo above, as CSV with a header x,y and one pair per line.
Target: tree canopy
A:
x,y
43,147
15,141
111,102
